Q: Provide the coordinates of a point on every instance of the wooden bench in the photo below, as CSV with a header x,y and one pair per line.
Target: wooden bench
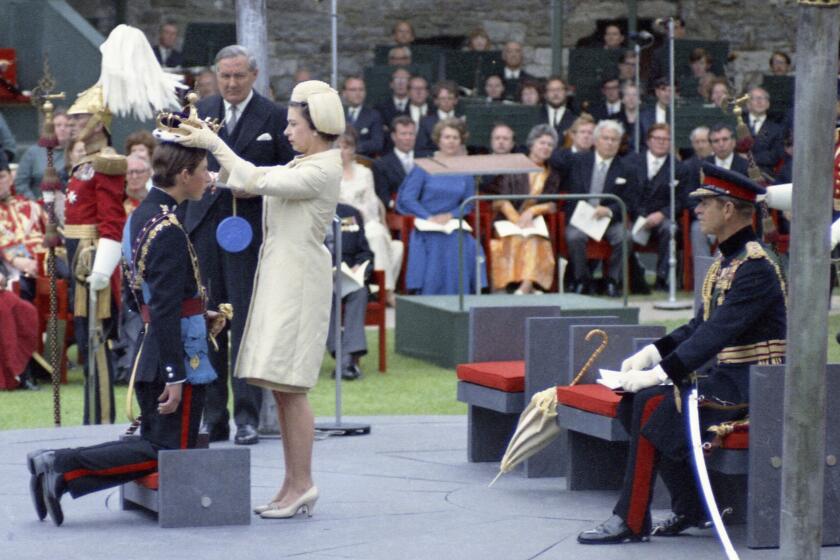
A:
x,y
195,488
509,364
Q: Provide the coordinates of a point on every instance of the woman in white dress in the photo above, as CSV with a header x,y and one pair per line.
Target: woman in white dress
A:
x,y
286,329
357,191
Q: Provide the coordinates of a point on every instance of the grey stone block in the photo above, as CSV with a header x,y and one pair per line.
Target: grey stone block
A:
x,y
498,333
492,417
197,488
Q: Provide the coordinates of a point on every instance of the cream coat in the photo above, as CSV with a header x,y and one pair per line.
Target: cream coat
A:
x,y
286,329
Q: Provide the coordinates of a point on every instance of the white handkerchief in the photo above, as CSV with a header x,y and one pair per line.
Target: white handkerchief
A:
x,y
620,180
264,137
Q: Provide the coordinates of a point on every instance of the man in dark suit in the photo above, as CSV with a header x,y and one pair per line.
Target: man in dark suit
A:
x,y
445,94
355,251
366,121
768,137
253,126
652,168
598,172
513,74
390,170
418,99
165,51
659,113
722,138
556,111
395,106
610,107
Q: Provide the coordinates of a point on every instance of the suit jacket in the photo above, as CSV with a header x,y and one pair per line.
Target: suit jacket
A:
x,y
569,117
647,118
175,58
768,146
371,136
739,164
512,87
388,111
599,111
654,194
576,175
388,175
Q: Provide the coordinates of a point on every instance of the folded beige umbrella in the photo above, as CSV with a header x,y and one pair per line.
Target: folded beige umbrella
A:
x,y
536,429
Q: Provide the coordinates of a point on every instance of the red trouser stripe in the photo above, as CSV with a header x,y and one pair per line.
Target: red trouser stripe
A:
x,y
642,472
112,471
186,401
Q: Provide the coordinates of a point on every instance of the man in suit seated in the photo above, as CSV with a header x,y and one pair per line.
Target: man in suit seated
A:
x,y
366,121
355,252
445,94
595,173
768,136
610,107
652,169
722,138
399,56
390,170
165,50
556,110
702,148
659,113
253,127
501,143
395,106
613,37
418,99
513,73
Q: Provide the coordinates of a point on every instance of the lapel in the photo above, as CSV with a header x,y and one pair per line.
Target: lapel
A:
x,y
661,175
397,166
587,165
251,122
613,172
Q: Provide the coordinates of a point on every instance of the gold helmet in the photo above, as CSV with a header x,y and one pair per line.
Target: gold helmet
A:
x,y
92,102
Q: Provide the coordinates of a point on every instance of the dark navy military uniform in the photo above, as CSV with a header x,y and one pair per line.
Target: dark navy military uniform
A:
x,y
742,322
162,273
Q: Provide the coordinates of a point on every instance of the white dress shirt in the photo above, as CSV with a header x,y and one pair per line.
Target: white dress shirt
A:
x,y
654,164
555,115
661,114
511,74
442,115
756,121
417,112
406,158
240,108
725,163
614,108
400,104
353,113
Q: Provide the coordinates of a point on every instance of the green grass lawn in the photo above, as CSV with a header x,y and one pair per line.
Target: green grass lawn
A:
x,y
410,387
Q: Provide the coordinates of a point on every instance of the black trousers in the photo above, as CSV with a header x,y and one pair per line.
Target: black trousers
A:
x,y
90,469
644,461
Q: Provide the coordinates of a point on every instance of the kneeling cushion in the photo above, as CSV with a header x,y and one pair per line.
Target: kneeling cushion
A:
x,y
591,397
504,376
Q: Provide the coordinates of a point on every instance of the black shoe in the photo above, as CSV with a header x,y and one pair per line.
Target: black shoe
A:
x,y
661,285
35,485
27,381
351,373
50,483
246,435
676,524
612,531
613,290
219,432
583,288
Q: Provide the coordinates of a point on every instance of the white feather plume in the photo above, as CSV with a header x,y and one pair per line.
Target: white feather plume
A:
x,y
132,80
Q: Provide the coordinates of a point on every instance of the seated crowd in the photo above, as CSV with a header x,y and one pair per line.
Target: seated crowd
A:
x,y
407,218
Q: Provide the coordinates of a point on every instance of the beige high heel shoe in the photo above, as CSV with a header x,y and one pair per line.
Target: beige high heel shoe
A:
x,y
265,507
305,503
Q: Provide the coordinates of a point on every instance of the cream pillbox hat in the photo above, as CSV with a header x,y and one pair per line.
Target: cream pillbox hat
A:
x,y
324,105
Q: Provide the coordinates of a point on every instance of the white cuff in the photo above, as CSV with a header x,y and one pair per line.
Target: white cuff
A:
x,y
108,255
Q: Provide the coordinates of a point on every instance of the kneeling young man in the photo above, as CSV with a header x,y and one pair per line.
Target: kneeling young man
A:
x,y
742,322
171,366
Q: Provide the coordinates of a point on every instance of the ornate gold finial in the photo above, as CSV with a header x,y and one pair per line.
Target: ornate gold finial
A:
x,y
171,122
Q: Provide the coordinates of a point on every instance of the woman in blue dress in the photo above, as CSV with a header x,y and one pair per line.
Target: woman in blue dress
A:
x,y
432,255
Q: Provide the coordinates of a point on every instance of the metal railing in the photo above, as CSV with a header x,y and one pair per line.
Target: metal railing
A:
x,y
550,197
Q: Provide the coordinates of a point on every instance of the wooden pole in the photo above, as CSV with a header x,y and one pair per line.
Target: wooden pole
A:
x,y
803,452
252,33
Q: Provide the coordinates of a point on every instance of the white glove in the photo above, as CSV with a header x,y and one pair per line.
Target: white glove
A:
x,y
108,255
204,138
645,358
835,234
635,380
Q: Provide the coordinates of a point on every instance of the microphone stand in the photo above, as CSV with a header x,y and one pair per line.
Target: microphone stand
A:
x,y
672,303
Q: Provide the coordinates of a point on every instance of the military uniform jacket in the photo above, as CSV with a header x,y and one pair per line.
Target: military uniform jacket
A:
x,y
742,322
162,271
22,225
95,195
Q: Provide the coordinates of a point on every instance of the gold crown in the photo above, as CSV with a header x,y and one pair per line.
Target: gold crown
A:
x,y
171,122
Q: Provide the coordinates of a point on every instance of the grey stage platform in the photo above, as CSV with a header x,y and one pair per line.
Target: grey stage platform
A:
x,y
432,328
405,492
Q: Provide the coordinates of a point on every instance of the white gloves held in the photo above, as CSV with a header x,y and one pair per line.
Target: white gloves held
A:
x,y
835,234
108,255
635,380
645,358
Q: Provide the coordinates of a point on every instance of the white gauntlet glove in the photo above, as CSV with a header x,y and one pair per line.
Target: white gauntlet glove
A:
x,y
108,255
835,234
645,358
204,138
635,380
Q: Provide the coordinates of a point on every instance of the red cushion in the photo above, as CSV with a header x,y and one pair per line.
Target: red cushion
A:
x,y
591,397
504,376
737,440
150,481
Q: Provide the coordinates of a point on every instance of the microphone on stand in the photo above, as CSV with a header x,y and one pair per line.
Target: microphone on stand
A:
x,y
641,36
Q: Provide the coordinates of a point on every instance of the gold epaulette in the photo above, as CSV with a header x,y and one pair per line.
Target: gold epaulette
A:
x,y
109,162
756,251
